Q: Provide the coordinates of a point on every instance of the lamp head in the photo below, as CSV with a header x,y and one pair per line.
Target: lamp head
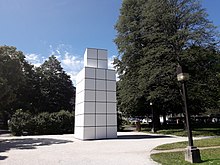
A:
x,y
182,73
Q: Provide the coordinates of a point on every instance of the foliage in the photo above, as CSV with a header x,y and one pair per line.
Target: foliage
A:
x,y
208,156
57,91
20,122
23,122
152,38
11,76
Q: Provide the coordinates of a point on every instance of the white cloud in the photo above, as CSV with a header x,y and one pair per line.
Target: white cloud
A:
x,y
33,59
110,62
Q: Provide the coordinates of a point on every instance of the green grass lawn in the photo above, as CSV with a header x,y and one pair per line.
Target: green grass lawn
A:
x,y
208,156
195,132
198,143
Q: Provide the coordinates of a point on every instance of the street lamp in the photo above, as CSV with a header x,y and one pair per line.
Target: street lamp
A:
x,y
192,153
153,118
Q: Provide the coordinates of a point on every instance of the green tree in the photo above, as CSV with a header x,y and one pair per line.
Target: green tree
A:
x,y
10,77
57,90
152,38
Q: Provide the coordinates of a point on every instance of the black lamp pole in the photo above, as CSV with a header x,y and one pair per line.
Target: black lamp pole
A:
x,y
188,124
192,153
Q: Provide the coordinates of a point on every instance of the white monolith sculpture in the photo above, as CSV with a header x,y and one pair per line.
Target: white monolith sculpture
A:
x,y
95,112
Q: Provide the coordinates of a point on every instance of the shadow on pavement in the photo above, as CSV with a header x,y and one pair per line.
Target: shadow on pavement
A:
x,y
142,136
28,143
3,157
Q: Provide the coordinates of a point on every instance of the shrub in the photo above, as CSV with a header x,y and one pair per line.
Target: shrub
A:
x,y
41,124
20,122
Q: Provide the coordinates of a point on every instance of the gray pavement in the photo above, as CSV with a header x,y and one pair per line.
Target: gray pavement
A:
x,y
130,148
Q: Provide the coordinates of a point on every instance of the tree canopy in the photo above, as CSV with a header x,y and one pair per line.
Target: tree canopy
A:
x,y
46,88
153,36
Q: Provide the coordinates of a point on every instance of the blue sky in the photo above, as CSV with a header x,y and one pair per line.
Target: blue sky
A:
x,y
65,28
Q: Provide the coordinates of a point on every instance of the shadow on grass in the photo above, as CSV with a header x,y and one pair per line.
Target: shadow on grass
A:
x,y
28,143
142,136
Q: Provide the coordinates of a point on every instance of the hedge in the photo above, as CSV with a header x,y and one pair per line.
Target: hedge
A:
x,y
24,123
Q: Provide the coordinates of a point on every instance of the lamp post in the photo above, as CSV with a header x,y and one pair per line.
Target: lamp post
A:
x,y
153,118
192,153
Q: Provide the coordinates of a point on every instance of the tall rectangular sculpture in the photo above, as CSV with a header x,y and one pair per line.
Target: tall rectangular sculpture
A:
x,y
95,111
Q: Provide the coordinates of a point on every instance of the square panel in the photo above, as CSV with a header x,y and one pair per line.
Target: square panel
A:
x,y
100,120
89,95
78,132
111,75
80,76
111,85
100,74
80,97
89,133
89,107
101,132
100,107
80,86
111,108
101,96
89,120
79,120
111,120
102,64
79,108
112,132
100,85
89,72
90,84
91,63
102,54
91,53
111,96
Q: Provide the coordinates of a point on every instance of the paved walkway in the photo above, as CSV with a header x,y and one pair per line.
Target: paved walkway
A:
x,y
131,148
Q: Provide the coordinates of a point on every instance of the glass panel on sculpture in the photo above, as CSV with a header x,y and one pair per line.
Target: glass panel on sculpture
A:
x,y
111,75
100,120
111,85
91,63
102,64
100,108
112,132
80,76
89,107
79,108
100,74
100,85
102,54
111,120
89,119
89,95
100,132
90,84
91,53
79,131
89,133
111,108
80,97
111,96
89,72
101,96
79,120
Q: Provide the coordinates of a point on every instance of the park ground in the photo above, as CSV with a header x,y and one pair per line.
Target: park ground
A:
x,y
130,148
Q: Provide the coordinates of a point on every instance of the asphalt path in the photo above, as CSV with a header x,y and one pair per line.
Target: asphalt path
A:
x,y
130,148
